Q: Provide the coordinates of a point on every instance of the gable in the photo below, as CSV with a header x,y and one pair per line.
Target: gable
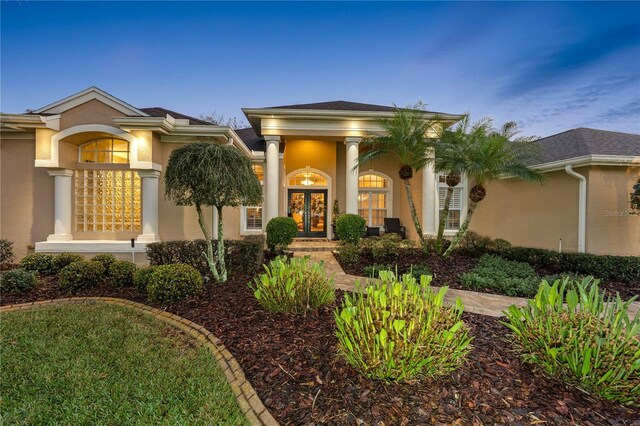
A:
x,y
90,112
87,95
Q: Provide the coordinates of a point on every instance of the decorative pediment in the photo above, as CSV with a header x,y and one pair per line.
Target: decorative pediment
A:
x,y
87,95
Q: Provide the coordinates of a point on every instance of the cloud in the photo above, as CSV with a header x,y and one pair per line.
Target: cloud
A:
x,y
558,64
621,112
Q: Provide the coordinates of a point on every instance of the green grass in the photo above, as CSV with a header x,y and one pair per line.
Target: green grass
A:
x,y
100,364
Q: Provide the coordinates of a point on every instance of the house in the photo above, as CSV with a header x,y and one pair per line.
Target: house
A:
x,y
84,174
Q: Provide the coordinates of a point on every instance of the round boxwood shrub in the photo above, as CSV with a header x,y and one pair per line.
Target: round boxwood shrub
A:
x,y
280,233
38,262
64,259
121,273
80,275
350,228
17,280
105,259
143,277
172,283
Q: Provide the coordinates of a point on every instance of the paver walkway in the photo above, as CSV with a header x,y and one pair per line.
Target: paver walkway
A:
x,y
474,302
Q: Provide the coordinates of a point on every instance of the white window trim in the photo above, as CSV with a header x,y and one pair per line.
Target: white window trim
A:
x,y
327,187
113,137
388,190
243,209
463,185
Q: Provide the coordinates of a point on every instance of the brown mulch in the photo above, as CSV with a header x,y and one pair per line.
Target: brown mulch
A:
x,y
292,362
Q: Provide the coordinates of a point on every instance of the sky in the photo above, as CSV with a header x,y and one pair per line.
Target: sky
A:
x,y
548,66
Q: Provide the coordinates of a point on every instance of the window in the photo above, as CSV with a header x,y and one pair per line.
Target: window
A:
x,y
104,150
374,198
455,208
253,214
308,179
107,200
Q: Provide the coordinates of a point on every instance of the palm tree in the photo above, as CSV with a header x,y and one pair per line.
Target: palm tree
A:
x,y
491,156
405,137
451,159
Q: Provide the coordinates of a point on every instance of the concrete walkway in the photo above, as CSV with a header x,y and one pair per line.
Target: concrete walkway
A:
x,y
474,302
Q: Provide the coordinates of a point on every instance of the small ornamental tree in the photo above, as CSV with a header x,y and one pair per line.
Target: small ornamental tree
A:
x,y
208,174
635,199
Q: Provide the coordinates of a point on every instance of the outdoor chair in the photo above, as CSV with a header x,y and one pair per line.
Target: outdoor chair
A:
x,y
392,226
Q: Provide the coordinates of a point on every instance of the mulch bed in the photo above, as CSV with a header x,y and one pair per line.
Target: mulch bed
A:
x,y
291,361
448,271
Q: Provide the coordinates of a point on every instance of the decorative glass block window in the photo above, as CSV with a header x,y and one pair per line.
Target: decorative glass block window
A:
x,y
107,201
374,195
253,214
308,179
455,208
104,150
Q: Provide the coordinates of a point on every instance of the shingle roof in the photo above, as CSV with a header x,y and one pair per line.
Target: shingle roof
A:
x,y
583,141
162,112
338,106
251,140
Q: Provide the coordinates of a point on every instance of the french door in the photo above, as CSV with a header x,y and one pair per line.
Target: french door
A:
x,y
308,207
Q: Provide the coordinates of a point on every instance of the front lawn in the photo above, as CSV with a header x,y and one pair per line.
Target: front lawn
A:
x,y
100,364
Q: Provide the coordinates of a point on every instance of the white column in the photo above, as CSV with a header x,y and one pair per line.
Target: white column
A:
x,y
351,180
429,201
149,206
272,183
62,205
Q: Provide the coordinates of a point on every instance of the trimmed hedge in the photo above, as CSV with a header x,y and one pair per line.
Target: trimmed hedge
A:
x,y
143,277
38,262
17,280
350,228
80,275
618,268
280,233
106,259
240,255
173,283
121,273
64,259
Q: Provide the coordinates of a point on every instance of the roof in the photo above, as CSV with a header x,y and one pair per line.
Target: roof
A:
x,y
251,139
162,112
343,106
584,141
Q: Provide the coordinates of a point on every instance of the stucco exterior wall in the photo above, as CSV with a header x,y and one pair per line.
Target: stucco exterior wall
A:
x,y
527,214
91,112
610,227
26,195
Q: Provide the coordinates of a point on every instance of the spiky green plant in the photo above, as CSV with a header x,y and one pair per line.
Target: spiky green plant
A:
x,y
293,285
576,334
397,329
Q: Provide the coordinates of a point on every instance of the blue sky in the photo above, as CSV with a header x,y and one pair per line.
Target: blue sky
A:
x,y
549,66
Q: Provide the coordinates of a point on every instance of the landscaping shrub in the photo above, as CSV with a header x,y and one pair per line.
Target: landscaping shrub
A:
x,y
350,228
504,276
142,277
348,253
293,285
38,262
173,283
240,255
63,259
280,233
398,329
418,271
577,336
105,259
386,249
17,280
121,273
477,245
80,275
6,251
617,268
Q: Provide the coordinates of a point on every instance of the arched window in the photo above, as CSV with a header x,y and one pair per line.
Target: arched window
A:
x,y
374,198
104,150
307,179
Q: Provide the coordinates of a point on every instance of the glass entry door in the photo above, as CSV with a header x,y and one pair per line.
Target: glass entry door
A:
x,y
308,207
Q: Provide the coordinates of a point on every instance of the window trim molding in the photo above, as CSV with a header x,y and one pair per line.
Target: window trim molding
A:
x,y
243,209
388,190
95,140
464,197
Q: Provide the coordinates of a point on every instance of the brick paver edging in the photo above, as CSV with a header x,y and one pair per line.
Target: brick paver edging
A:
x,y
246,396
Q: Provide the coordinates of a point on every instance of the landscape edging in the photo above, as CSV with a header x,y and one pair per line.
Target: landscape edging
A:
x,y
246,396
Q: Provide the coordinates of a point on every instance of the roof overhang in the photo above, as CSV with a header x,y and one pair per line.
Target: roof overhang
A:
x,y
587,160
28,122
87,95
257,115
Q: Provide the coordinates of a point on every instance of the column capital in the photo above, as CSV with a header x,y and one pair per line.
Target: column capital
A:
x,y
351,140
60,172
272,139
153,174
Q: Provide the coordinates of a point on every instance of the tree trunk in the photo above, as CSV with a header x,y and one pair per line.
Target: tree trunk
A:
x,y
221,264
443,219
209,253
414,214
463,229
